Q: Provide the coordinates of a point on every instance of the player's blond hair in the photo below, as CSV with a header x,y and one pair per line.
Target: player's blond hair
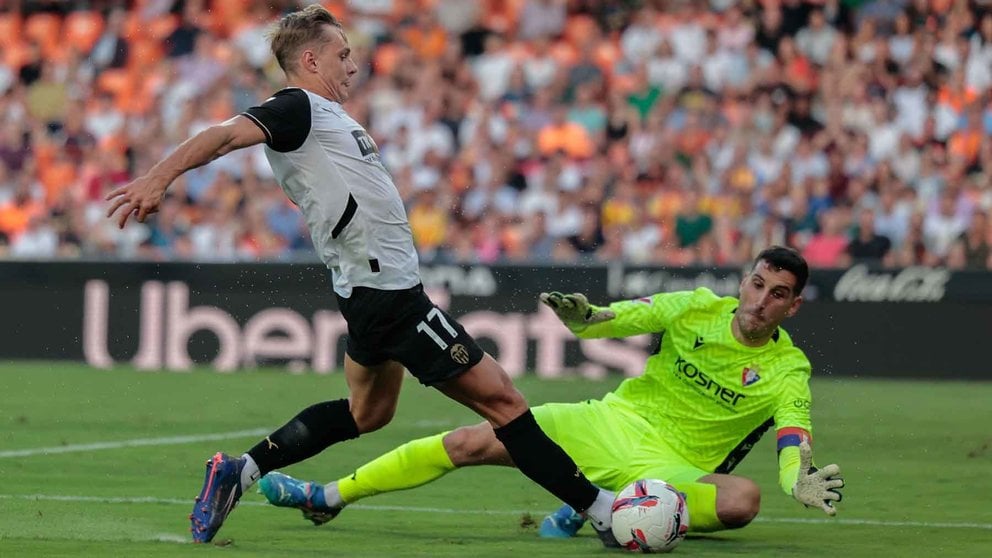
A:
x,y
298,29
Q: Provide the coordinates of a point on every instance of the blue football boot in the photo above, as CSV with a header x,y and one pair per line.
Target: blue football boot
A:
x,y
561,524
308,497
221,492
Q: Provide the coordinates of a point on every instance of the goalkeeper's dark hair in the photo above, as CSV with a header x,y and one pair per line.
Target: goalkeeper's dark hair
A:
x,y
299,29
788,259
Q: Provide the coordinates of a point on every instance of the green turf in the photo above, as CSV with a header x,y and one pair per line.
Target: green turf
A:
x,y
916,457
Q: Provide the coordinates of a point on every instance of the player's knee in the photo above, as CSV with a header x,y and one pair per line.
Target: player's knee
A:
x,y
742,505
469,445
507,403
372,417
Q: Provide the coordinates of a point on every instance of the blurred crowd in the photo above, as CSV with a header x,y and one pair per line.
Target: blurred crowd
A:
x,y
662,132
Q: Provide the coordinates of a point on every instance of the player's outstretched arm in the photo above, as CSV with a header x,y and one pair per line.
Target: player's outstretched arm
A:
x,y
575,311
142,196
814,487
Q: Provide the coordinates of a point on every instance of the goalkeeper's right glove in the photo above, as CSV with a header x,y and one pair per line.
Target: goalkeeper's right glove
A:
x,y
817,487
575,311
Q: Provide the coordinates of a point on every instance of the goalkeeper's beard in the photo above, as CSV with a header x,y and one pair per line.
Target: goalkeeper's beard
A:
x,y
757,331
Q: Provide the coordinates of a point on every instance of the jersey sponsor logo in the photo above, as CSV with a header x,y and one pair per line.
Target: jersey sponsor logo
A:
x,y
699,342
459,353
365,143
689,371
801,403
750,375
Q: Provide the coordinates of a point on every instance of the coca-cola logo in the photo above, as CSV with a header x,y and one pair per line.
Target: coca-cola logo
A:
x,y
912,284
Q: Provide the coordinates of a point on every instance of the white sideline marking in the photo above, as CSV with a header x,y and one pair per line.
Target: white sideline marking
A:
x,y
171,538
170,441
136,443
878,523
417,509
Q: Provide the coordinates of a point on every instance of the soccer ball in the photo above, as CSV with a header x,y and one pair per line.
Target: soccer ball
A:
x,y
650,516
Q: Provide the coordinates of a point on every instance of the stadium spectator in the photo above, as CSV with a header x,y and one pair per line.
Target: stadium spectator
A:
x,y
868,246
944,223
827,247
972,250
881,105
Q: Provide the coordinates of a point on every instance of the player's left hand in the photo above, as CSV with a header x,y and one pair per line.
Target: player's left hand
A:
x,y
575,311
140,198
818,488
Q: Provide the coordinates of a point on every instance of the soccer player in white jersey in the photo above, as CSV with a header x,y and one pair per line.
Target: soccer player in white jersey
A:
x,y
329,166
724,374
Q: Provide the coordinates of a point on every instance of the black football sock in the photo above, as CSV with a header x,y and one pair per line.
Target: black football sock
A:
x,y
544,462
308,434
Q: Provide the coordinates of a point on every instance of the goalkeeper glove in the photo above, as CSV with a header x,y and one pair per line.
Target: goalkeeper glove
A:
x,y
817,487
575,311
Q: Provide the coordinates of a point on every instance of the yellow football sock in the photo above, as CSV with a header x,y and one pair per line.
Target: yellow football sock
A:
x,y
408,466
700,499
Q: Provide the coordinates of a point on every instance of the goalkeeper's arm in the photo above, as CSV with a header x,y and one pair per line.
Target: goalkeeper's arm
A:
x,y
575,311
622,318
810,486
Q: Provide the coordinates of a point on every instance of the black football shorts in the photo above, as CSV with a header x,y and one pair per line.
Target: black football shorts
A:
x,y
405,326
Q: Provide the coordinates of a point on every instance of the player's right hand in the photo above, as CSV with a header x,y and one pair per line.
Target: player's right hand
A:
x,y
818,488
140,197
575,311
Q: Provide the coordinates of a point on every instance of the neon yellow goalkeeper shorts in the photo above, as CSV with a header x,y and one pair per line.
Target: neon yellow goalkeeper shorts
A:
x,y
612,445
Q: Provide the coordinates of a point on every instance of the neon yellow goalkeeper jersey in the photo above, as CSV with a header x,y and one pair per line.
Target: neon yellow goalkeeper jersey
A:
x,y
709,397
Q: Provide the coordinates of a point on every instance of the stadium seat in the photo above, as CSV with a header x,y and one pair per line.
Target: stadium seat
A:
x,y
384,59
503,15
144,81
580,28
339,8
117,82
226,15
83,29
607,56
162,26
15,55
564,53
158,28
46,30
11,24
122,85
145,52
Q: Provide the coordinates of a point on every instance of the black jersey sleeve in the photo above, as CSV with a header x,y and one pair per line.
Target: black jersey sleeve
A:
x,y
284,118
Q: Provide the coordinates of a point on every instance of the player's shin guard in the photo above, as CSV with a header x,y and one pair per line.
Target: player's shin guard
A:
x,y
700,500
306,435
544,462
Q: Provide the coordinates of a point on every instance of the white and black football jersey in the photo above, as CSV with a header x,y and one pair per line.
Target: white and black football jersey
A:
x,y
329,167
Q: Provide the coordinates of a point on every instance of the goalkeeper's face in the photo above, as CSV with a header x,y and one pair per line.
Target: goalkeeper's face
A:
x,y
767,299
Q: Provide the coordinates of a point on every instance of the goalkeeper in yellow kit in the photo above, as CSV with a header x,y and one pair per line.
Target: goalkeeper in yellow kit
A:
x,y
725,373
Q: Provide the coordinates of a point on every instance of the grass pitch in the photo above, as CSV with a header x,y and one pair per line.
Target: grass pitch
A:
x,y
106,463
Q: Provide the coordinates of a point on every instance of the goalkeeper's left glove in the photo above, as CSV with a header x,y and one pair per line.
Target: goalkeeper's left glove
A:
x,y
817,487
575,311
